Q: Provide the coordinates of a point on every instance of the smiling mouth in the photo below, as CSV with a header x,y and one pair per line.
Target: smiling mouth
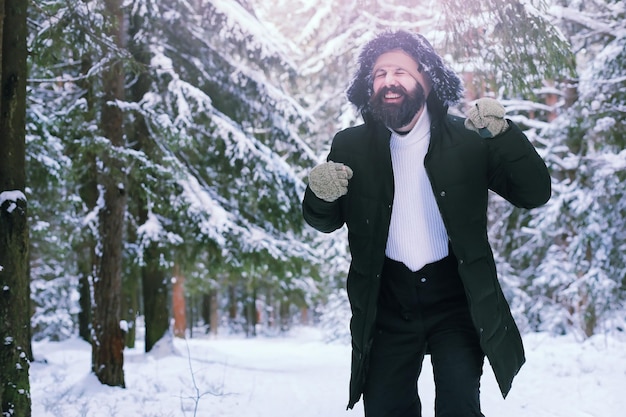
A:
x,y
392,97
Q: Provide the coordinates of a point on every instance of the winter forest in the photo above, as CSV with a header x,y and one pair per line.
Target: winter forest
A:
x,y
154,154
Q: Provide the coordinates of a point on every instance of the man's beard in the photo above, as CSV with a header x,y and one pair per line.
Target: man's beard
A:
x,y
393,115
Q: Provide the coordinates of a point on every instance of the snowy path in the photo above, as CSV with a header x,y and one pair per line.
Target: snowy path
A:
x,y
300,376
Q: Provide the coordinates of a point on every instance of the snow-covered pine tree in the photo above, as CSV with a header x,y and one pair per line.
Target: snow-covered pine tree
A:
x,y
107,359
72,52
62,145
221,177
149,246
576,279
220,110
53,223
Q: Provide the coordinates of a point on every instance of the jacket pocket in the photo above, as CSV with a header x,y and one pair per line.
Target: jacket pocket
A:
x,y
482,290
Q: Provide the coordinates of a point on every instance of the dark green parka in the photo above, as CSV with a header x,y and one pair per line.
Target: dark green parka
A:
x,y
462,167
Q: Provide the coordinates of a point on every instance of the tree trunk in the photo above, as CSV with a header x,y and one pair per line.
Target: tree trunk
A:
x,y
251,313
191,318
86,252
130,301
210,315
88,191
155,297
153,276
285,314
232,305
14,272
178,304
270,311
205,311
108,343
214,316
304,316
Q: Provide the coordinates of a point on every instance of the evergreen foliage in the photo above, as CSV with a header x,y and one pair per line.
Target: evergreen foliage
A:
x,y
565,261
241,99
221,175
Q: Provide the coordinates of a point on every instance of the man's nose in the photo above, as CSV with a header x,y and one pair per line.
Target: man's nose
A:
x,y
391,79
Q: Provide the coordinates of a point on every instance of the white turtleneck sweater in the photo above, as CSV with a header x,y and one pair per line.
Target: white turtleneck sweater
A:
x,y
417,235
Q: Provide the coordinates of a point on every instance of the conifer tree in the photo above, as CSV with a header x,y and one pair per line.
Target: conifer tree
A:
x,y
107,338
569,262
214,136
220,110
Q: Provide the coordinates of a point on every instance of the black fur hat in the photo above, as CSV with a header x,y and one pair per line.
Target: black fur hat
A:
x,y
446,85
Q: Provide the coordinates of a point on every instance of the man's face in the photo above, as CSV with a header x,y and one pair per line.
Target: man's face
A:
x,y
399,89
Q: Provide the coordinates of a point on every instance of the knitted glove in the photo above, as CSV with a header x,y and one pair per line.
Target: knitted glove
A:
x,y
329,180
486,116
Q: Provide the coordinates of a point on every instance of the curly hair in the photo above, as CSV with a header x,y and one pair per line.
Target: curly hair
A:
x,y
446,85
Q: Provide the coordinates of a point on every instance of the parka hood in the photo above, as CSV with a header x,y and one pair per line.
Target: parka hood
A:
x,y
447,87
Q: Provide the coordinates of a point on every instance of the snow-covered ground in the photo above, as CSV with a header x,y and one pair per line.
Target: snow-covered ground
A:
x,y
299,375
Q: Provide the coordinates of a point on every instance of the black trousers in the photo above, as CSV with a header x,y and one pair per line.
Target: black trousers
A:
x,y
423,312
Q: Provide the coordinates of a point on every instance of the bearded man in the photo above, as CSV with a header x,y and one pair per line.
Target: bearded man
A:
x,y
411,184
